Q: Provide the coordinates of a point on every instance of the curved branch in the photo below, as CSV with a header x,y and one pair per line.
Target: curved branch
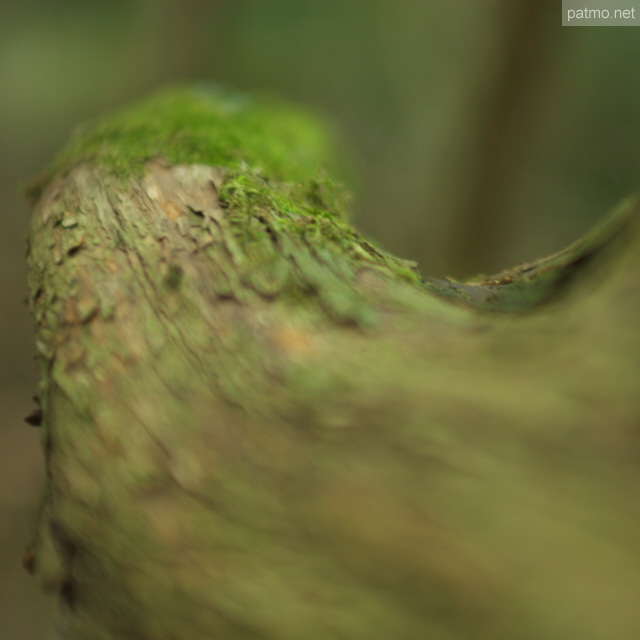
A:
x,y
258,425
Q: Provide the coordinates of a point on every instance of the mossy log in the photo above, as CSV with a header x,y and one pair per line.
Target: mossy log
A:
x,y
259,425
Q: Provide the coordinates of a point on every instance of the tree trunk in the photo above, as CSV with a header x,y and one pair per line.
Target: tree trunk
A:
x,y
258,425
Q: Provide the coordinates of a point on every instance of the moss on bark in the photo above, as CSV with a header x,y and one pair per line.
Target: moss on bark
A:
x,y
258,425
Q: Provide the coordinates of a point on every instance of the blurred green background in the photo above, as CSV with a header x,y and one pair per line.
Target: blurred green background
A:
x,y
480,134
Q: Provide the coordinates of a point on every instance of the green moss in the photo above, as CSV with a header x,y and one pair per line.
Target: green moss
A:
x,y
206,125
299,214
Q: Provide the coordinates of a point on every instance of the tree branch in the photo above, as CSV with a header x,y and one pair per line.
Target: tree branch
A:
x,y
259,425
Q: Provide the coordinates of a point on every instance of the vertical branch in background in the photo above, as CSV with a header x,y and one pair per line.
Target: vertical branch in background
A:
x,y
478,232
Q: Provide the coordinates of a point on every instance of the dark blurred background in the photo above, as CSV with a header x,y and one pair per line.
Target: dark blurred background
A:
x,y
480,134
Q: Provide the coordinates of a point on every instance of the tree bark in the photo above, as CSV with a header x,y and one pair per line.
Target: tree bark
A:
x,y
258,425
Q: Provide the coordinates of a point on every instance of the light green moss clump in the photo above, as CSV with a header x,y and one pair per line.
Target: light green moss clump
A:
x,y
204,124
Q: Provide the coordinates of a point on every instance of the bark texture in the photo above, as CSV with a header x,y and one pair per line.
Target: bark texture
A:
x,y
258,425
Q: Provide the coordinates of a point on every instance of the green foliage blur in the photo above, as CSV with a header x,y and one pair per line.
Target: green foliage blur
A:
x,y
479,134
